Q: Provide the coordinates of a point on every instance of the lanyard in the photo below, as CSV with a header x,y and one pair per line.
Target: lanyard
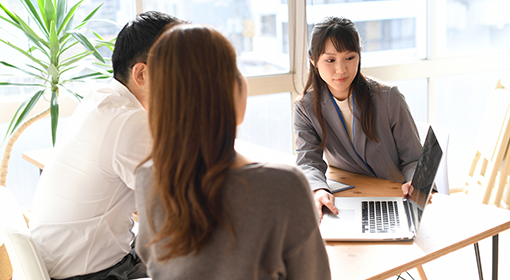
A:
x,y
345,127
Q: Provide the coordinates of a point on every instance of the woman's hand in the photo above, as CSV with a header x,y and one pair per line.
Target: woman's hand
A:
x,y
324,198
407,190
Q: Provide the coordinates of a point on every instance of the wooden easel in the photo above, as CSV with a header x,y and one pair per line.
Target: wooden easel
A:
x,y
491,165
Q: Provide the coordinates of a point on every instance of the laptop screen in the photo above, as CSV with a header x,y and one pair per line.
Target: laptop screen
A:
x,y
424,176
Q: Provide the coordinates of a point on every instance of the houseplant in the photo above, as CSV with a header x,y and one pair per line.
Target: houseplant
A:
x,y
52,54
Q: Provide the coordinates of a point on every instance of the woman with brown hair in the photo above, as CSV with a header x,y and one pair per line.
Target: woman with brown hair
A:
x,y
205,211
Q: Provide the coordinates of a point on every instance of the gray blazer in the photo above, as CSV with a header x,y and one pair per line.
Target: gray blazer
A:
x,y
393,158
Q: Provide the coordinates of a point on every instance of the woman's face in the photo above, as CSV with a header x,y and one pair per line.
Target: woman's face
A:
x,y
337,69
240,99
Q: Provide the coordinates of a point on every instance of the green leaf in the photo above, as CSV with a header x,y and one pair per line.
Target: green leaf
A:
x,y
61,6
40,3
73,59
100,70
102,64
25,53
85,42
52,70
63,70
54,44
77,96
96,74
29,106
109,44
11,15
15,24
54,115
20,84
22,70
32,48
32,36
34,67
106,43
14,118
49,10
64,47
35,15
66,22
68,27
87,18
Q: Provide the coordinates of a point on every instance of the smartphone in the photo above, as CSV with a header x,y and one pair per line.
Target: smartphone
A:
x,y
335,186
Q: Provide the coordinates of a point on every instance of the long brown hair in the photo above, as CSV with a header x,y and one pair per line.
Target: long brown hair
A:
x,y
192,75
345,37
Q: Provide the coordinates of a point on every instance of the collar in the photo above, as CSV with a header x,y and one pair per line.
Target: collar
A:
x,y
123,91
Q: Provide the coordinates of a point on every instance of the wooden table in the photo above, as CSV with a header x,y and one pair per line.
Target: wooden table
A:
x,y
254,152
38,157
448,224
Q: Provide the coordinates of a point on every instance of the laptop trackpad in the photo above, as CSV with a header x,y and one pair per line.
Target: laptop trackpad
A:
x,y
346,216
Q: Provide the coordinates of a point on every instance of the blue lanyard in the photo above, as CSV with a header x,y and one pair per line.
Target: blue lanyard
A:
x,y
345,127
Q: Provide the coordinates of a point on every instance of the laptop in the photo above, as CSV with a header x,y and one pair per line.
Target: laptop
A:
x,y
386,218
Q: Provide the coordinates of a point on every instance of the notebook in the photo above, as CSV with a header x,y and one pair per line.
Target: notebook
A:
x,y
359,220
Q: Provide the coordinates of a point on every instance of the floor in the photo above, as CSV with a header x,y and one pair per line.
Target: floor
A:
x,y
461,264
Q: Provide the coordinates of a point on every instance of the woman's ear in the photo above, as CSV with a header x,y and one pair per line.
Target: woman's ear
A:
x,y
311,60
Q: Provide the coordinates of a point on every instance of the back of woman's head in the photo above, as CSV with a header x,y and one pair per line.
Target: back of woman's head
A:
x,y
192,75
192,72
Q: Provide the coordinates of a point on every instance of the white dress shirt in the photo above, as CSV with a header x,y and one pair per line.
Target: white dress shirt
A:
x,y
82,213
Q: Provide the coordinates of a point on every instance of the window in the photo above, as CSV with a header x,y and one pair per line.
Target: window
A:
x,y
443,54
391,31
474,26
261,40
255,34
268,122
268,25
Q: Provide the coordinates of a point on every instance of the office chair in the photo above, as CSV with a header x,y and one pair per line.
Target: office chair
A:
x,y
26,260
443,137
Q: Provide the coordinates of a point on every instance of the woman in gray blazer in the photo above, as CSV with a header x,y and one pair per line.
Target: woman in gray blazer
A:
x,y
359,124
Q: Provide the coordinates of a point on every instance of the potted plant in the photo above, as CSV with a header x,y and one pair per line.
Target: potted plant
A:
x,y
51,49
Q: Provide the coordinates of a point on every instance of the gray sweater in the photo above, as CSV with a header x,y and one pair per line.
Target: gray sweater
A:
x,y
276,232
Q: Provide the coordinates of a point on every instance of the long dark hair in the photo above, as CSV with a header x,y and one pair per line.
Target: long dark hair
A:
x,y
192,74
345,37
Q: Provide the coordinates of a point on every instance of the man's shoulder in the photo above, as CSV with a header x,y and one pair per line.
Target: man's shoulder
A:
x,y
106,103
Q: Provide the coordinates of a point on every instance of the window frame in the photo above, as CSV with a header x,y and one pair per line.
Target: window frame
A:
x,y
430,67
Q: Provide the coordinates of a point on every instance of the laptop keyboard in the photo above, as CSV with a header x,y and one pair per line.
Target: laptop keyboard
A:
x,y
380,216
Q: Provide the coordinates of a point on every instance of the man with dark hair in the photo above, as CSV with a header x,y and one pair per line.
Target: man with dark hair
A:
x,y
82,217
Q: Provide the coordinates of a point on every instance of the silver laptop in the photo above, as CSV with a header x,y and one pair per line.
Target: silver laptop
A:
x,y
386,218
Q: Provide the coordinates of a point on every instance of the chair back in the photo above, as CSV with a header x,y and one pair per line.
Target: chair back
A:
x,y
443,137
26,260
491,149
